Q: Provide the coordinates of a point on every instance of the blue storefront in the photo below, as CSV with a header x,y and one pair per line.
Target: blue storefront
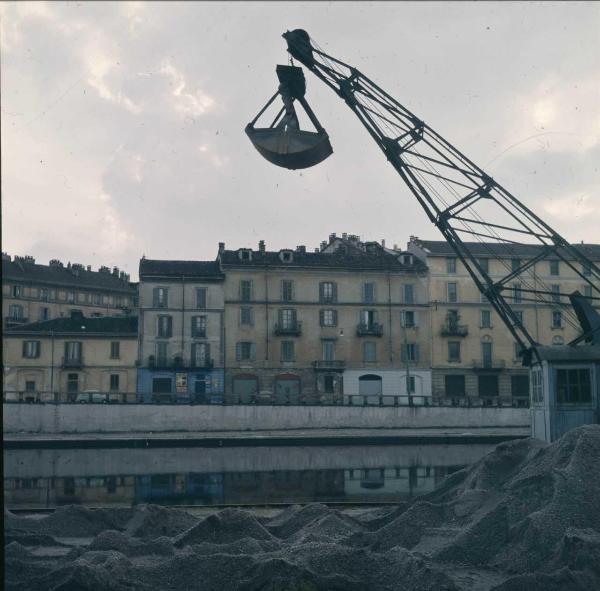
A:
x,y
185,386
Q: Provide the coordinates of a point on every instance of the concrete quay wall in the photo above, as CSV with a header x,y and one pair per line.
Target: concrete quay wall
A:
x,y
61,418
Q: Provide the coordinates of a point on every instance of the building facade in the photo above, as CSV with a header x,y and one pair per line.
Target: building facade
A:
x,y
181,355
56,360
33,292
345,323
473,353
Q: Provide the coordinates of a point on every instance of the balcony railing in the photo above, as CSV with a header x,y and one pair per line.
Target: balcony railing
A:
x,y
450,329
331,365
10,321
374,329
292,329
201,363
489,363
72,363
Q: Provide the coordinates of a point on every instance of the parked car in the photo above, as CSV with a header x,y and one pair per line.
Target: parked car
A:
x,y
92,396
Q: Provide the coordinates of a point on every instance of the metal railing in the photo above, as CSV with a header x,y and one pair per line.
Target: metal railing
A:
x,y
333,364
10,321
449,329
291,329
72,362
374,329
489,363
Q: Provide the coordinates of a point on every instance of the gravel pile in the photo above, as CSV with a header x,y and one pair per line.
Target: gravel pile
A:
x,y
525,517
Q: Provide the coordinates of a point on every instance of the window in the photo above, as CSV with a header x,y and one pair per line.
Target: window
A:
x,y
71,297
114,382
409,352
451,264
201,298
586,270
554,268
245,351
556,319
408,318
519,315
72,383
555,293
452,293
537,388
72,351
517,297
520,385
43,294
484,264
31,349
587,291
368,293
407,259
328,384
287,318
327,291
44,313
573,386
486,319
246,290
30,386
165,326
519,352
488,385
287,290
15,312
16,291
198,326
115,350
287,350
369,352
409,293
515,264
118,300
245,254
246,316
161,297
328,317
328,350
161,385
454,385
486,354
368,318
200,354
97,299
287,256
453,351
162,350
452,318
558,341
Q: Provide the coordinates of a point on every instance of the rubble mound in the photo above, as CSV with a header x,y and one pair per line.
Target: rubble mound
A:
x,y
526,517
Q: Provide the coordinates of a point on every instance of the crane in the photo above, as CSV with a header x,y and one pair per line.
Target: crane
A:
x,y
459,197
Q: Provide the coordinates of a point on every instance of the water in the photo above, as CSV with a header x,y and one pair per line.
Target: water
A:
x,y
217,476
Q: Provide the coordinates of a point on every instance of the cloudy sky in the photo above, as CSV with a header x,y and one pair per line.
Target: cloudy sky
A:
x,y
123,123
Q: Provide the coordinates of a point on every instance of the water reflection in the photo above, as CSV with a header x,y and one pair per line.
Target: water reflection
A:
x,y
48,478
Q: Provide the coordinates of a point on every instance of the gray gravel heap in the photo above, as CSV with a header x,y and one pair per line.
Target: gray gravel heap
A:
x,y
525,517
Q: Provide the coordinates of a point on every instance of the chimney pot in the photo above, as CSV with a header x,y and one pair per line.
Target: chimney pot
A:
x,y
261,246
383,242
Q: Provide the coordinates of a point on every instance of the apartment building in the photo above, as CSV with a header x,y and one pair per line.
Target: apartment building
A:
x,y
473,353
180,353
32,292
63,357
346,320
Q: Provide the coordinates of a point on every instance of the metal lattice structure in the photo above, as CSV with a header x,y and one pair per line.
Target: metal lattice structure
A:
x,y
458,196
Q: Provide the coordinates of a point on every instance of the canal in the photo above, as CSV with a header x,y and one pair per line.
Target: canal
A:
x,y
47,478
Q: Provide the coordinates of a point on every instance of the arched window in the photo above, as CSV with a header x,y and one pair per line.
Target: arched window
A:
x,y
245,388
370,385
287,388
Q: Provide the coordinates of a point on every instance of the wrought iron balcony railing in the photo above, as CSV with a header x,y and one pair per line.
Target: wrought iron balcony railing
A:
x,y
373,329
331,365
450,329
292,329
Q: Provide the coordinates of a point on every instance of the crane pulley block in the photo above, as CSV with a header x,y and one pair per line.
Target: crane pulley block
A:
x,y
283,143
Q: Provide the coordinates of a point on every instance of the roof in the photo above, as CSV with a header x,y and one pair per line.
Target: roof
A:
x,y
499,249
570,353
341,259
178,269
22,270
79,324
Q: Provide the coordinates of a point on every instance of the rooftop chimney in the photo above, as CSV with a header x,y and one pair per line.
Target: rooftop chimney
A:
x,y
383,242
332,237
301,248
89,267
317,250
345,235
55,263
323,245
221,247
261,246
115,271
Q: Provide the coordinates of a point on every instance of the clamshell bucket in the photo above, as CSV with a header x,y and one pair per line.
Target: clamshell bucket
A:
x,y
283,143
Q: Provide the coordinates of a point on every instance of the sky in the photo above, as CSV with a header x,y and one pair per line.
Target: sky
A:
x,y
123,123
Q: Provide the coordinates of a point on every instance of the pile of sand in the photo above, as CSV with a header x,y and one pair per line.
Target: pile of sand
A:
x,y
525,517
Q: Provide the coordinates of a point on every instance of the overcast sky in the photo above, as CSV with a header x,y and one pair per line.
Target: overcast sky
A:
x,y
123,123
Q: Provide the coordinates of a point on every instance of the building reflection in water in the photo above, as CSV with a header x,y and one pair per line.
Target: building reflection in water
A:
x,y
394,483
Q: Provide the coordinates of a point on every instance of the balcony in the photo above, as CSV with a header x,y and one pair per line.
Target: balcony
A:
x,y
329,365
451,329
488,364
72,363
9,321
201,364
374,329
293,329
165,363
